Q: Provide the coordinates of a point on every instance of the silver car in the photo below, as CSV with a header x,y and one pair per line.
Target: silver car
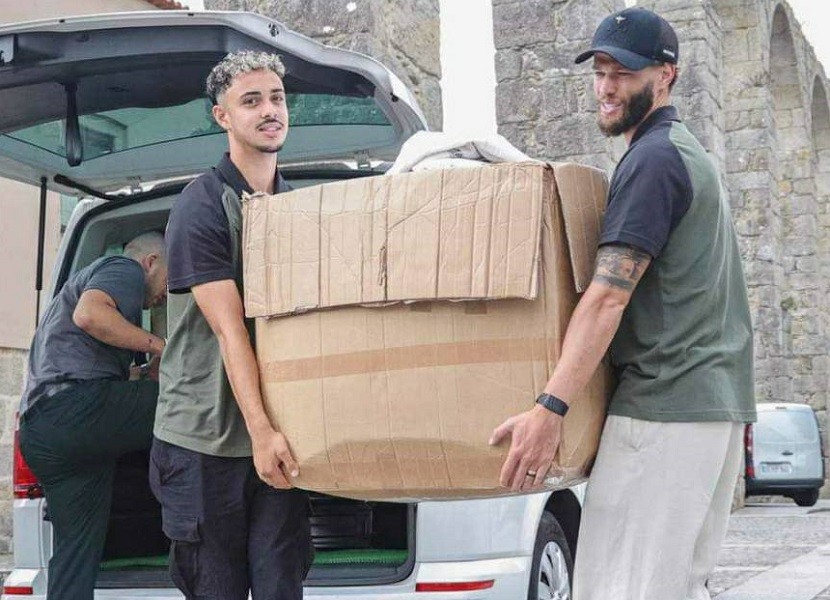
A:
x,y
784,453
111,108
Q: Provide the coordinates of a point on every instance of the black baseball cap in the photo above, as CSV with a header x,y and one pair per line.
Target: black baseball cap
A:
x,y
636,38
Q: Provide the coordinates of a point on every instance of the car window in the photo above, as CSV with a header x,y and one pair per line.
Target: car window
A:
x,y
113,131
782,426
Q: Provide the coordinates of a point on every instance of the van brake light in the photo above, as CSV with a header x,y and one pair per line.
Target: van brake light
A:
x,y
454,586
18,590
26,484
748,445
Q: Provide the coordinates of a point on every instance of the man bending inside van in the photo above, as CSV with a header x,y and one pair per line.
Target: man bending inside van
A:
x,y
79,413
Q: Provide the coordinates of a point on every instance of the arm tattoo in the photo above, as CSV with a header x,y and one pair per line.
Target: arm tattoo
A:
x,y
621,266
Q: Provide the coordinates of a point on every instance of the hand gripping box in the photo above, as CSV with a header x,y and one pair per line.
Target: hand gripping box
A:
x,y
400,319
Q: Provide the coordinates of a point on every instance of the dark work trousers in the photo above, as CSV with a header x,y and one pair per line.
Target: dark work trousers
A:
x,y
72,441
230,532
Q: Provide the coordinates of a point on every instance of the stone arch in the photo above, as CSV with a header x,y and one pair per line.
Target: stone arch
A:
x,y
820,126
820,119
794,209
789,114
746,118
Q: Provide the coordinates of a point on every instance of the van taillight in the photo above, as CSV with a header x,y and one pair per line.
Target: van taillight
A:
x,y
750,467
454,586
26,484
18,590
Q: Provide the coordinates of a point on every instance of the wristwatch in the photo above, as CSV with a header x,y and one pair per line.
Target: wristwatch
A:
x,y
553,404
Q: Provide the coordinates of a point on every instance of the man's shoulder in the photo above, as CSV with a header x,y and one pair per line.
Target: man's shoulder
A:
x,y
207,186
655,150
122,264
658,138
199,200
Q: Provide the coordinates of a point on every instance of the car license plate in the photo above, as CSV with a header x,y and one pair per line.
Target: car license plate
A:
x,y
776,467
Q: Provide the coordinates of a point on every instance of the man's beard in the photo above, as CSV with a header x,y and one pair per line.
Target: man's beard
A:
x,y
635,111
270,149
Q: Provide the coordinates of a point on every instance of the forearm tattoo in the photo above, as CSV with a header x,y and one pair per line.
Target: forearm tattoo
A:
x,y
621,266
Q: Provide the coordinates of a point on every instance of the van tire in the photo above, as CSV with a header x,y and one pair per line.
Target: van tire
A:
x,y
551,548
806,497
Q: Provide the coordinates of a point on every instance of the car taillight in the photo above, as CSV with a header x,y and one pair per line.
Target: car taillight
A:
x,y
454,586
750,467
26,484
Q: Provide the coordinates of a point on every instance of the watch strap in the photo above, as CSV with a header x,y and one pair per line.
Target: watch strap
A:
x,y
553,404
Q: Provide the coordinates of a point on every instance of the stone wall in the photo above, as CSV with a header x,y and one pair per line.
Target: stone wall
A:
x,y
753,92
402,34
12,373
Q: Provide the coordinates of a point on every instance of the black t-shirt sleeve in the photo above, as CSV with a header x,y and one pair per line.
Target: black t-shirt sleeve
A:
x,y
122,279
198,238
650,192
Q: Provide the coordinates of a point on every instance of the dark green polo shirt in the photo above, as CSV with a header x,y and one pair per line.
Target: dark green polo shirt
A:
x,y
683,351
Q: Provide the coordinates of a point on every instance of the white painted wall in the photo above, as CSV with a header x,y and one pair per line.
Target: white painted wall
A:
x,y
468,70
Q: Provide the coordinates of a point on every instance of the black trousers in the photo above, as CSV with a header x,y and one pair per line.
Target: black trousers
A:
x,y
230,532
72,442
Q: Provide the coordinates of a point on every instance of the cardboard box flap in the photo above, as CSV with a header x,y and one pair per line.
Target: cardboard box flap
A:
x,y
280,240
463,234
450,234
583,193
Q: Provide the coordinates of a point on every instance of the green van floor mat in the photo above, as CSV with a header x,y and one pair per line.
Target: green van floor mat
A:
x,y
321,558
138,562
363,557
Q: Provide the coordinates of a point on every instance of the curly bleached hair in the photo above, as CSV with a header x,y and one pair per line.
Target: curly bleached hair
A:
x,y
237,63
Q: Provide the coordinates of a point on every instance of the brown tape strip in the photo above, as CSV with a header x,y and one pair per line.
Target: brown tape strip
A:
x,y
407,357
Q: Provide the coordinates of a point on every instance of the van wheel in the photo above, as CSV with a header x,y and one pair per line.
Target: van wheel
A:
x,y
552,570
806,497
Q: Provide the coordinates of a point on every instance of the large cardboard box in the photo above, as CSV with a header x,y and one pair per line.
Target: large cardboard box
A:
x,y
400,319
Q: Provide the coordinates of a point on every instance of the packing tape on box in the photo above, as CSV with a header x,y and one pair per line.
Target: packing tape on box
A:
x,y
408,357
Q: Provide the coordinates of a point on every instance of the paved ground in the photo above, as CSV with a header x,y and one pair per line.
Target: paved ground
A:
x,y
773,551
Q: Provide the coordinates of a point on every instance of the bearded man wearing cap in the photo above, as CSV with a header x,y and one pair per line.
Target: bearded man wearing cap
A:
x,y
668,297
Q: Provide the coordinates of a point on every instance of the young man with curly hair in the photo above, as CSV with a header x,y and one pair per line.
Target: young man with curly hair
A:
x,y
218,466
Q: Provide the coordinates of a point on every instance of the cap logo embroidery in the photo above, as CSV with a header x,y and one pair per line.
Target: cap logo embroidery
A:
x,y
619,19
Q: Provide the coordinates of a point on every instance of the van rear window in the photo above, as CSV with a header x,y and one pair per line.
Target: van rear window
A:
x,y
113,131
783,426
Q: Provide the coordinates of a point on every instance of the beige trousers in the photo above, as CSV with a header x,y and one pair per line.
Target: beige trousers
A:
x,y
656,509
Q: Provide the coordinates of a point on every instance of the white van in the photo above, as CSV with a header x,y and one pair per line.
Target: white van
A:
x,y
112,107
784,453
